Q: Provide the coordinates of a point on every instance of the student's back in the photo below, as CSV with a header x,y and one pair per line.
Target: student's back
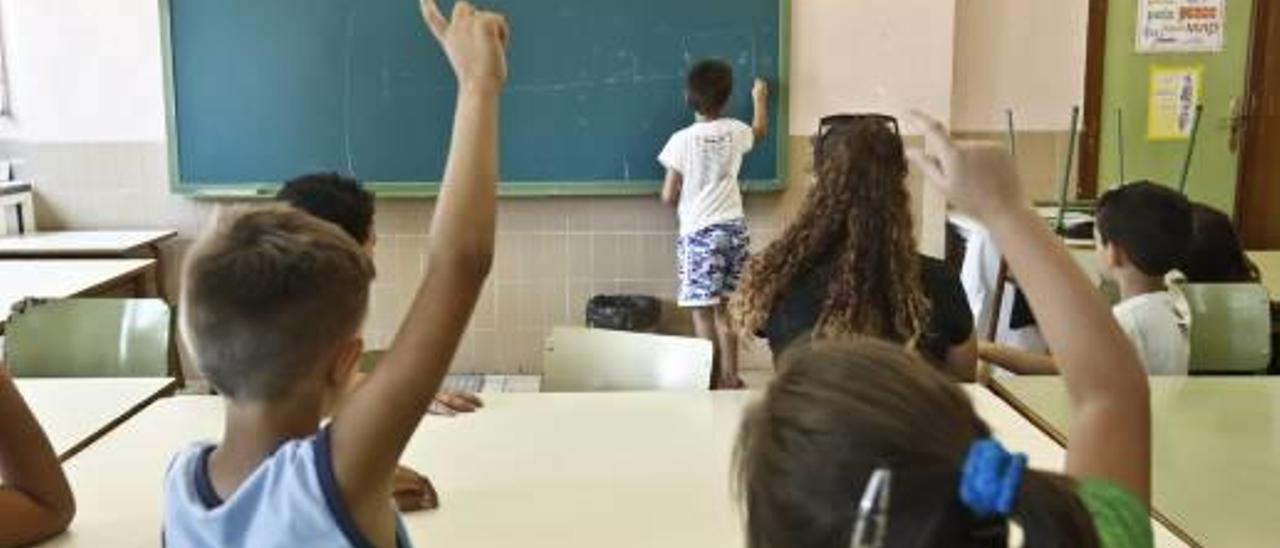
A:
x,y
1158,324
297,476
847,265
273,300
1142,234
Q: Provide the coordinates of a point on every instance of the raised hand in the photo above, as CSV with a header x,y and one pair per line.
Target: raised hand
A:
x,y
980,179
760,90
475,41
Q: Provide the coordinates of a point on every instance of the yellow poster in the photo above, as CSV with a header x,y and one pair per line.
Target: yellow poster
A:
x,y
1171,109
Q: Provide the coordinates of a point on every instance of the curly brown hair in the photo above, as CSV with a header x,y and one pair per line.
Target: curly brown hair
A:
x,y
858,213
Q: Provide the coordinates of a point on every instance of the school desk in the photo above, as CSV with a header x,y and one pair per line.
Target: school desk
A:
x,y
86,244
83,243
1216,445
1268,262
62,278
531,470
984,270
76,412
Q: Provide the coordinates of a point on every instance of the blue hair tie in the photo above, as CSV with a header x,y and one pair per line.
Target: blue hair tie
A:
x,y
990,479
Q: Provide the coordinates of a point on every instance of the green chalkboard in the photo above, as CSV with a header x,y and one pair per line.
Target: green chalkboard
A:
x,y
263,90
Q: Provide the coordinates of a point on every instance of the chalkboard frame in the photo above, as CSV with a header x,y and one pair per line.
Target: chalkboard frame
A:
x,y
507,189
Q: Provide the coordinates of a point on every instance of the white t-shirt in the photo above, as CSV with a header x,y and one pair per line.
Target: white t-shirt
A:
x,y
1158,325
708,155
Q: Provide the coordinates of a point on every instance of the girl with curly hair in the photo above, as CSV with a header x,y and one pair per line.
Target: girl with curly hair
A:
x,y
847,266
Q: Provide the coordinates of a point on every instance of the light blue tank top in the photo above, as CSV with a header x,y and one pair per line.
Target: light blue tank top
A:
x,y
292,499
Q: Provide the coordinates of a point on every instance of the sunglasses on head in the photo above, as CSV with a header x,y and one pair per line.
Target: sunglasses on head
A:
x,y
828,123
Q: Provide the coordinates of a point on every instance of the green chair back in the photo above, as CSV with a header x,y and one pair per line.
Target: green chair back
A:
x,y
1230,327
90,338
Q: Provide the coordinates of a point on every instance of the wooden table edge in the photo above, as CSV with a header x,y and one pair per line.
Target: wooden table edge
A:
x,y
162,237
165,391
1059,437
146,266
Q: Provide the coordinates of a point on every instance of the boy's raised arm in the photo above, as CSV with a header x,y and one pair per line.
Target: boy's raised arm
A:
x,y
371,429
1111,434
760,113
35,500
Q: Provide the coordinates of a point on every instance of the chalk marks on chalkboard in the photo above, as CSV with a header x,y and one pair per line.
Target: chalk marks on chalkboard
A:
x,y
734,45
348,83
587,84
622,67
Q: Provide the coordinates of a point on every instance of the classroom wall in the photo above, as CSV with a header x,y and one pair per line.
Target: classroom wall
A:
x,y
1213,175
110,170
1034,64
1029,56
84,71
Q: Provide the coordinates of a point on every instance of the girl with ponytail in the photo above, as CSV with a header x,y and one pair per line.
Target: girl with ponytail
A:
x,y
860,443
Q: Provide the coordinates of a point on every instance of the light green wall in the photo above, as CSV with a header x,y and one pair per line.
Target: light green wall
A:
x,y
1126,85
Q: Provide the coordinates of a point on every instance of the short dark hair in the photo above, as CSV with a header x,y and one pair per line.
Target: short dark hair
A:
x,y
267,292
708,87
1215,254
1150,222
336,198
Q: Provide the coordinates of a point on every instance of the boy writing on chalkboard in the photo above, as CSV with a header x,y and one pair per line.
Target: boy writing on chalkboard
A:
x,y
702,163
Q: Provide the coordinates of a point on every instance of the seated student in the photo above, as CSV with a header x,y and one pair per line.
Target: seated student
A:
x,y
1142,233
272,305
35,500
344,202
1214,254
847,265
848,423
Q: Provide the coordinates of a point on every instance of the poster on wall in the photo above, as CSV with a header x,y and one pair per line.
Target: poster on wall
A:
x,y
1171,109
1181,26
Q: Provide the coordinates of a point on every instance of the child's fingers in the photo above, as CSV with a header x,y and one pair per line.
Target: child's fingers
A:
x,y
462,10
933,129
415,502
435,20
504,31
495,24
460,401
474,399
927,163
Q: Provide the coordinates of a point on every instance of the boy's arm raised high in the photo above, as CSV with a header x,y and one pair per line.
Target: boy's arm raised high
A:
x,y
371,429
1111,435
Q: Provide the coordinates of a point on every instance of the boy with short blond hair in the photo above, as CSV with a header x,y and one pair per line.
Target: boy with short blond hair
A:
x,y
273,301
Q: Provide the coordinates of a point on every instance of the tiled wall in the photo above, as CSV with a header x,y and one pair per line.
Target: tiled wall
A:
x,y
552,255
